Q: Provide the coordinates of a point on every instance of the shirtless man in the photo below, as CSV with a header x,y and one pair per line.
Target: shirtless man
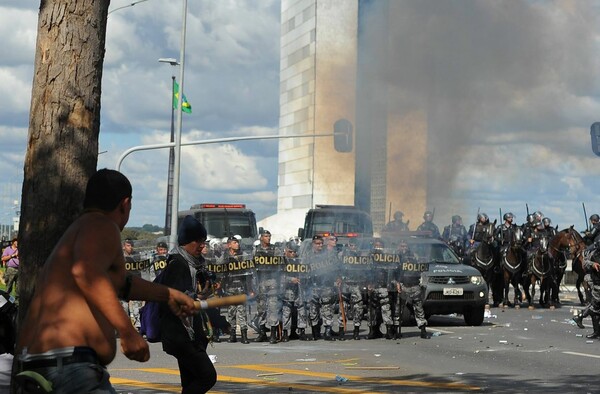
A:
x,y
68,335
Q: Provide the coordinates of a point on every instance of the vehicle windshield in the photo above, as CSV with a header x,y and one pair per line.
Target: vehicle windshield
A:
x,y
339,223
424,250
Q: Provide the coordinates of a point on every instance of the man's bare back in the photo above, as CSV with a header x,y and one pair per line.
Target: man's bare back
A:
x,y
75,312
85,269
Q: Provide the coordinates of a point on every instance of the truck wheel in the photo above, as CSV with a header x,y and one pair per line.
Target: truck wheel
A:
x,y
474,315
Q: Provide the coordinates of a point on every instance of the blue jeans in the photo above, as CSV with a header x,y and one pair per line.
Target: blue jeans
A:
x,y
76,378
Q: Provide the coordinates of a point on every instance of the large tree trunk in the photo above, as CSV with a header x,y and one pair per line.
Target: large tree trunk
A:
x,y
64,124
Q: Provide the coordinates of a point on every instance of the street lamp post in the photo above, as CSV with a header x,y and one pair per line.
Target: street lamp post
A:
x,y
177,139
168,207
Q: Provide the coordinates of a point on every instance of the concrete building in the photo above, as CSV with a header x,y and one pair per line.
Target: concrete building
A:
x,y
331,60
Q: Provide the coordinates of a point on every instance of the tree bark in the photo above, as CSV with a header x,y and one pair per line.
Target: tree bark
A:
x,y
64,124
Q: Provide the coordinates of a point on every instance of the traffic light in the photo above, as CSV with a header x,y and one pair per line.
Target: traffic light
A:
x,y
342,135
595,134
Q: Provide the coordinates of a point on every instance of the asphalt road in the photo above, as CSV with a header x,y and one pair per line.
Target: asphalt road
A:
x,y
515,350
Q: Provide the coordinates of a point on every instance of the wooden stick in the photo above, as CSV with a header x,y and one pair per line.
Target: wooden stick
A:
x,y
216,302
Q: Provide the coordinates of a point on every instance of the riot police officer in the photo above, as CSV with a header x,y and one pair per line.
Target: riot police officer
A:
x,y
594,309
268,302
478,230
505,232
409,290
237,280
593,234
379,288
550,231
397,224
455,235
320,293
293,281
355,268
159,260
429,226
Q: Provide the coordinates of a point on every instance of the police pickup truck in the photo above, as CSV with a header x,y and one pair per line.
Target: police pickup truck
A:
x,y
448,286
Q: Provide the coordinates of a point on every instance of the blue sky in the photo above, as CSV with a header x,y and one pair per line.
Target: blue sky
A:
x,y
514,83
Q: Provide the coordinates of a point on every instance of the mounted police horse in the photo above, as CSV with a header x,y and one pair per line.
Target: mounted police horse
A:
x,y
565,242
512,260
539,266
483,256
569,241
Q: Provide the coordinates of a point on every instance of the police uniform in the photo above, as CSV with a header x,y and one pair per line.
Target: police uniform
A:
x,y
268,262
320,293
455,235
294,277
355,268
431,227
410,292
237,279
379,292
397,224
593,235
134,266
594,307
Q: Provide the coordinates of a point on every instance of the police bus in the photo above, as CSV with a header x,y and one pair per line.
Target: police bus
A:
x,y
224,220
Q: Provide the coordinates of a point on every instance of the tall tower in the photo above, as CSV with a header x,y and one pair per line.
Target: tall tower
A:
x,y
317,87
333,57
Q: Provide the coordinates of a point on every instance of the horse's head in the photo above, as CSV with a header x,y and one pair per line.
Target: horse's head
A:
x,y
543,244
518,237
575,242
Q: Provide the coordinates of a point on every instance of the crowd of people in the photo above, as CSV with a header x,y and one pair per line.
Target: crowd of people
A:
x,y
306,291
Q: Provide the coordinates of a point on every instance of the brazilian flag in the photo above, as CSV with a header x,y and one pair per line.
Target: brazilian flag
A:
x,y
185,105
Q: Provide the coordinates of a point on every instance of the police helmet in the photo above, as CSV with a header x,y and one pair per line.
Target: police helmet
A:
x,y
484,217
595,218
546,222
456,219
398,215
428,216
292,246
508,216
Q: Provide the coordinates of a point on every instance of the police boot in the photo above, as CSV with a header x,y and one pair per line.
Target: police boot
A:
x,y
215,336
372,333
319,331
262,334
328,336
302,334
284,336
389,334
244,339
341,333
355,333
232,337
316,332
273,339
398,332
423,331
596,325
293,333
579,320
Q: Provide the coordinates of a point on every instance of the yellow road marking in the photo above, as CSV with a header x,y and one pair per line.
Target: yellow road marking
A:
x,y
174,388
276,368
326,375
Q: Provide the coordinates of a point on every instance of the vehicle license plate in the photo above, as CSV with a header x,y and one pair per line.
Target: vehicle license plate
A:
x,y
453,291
